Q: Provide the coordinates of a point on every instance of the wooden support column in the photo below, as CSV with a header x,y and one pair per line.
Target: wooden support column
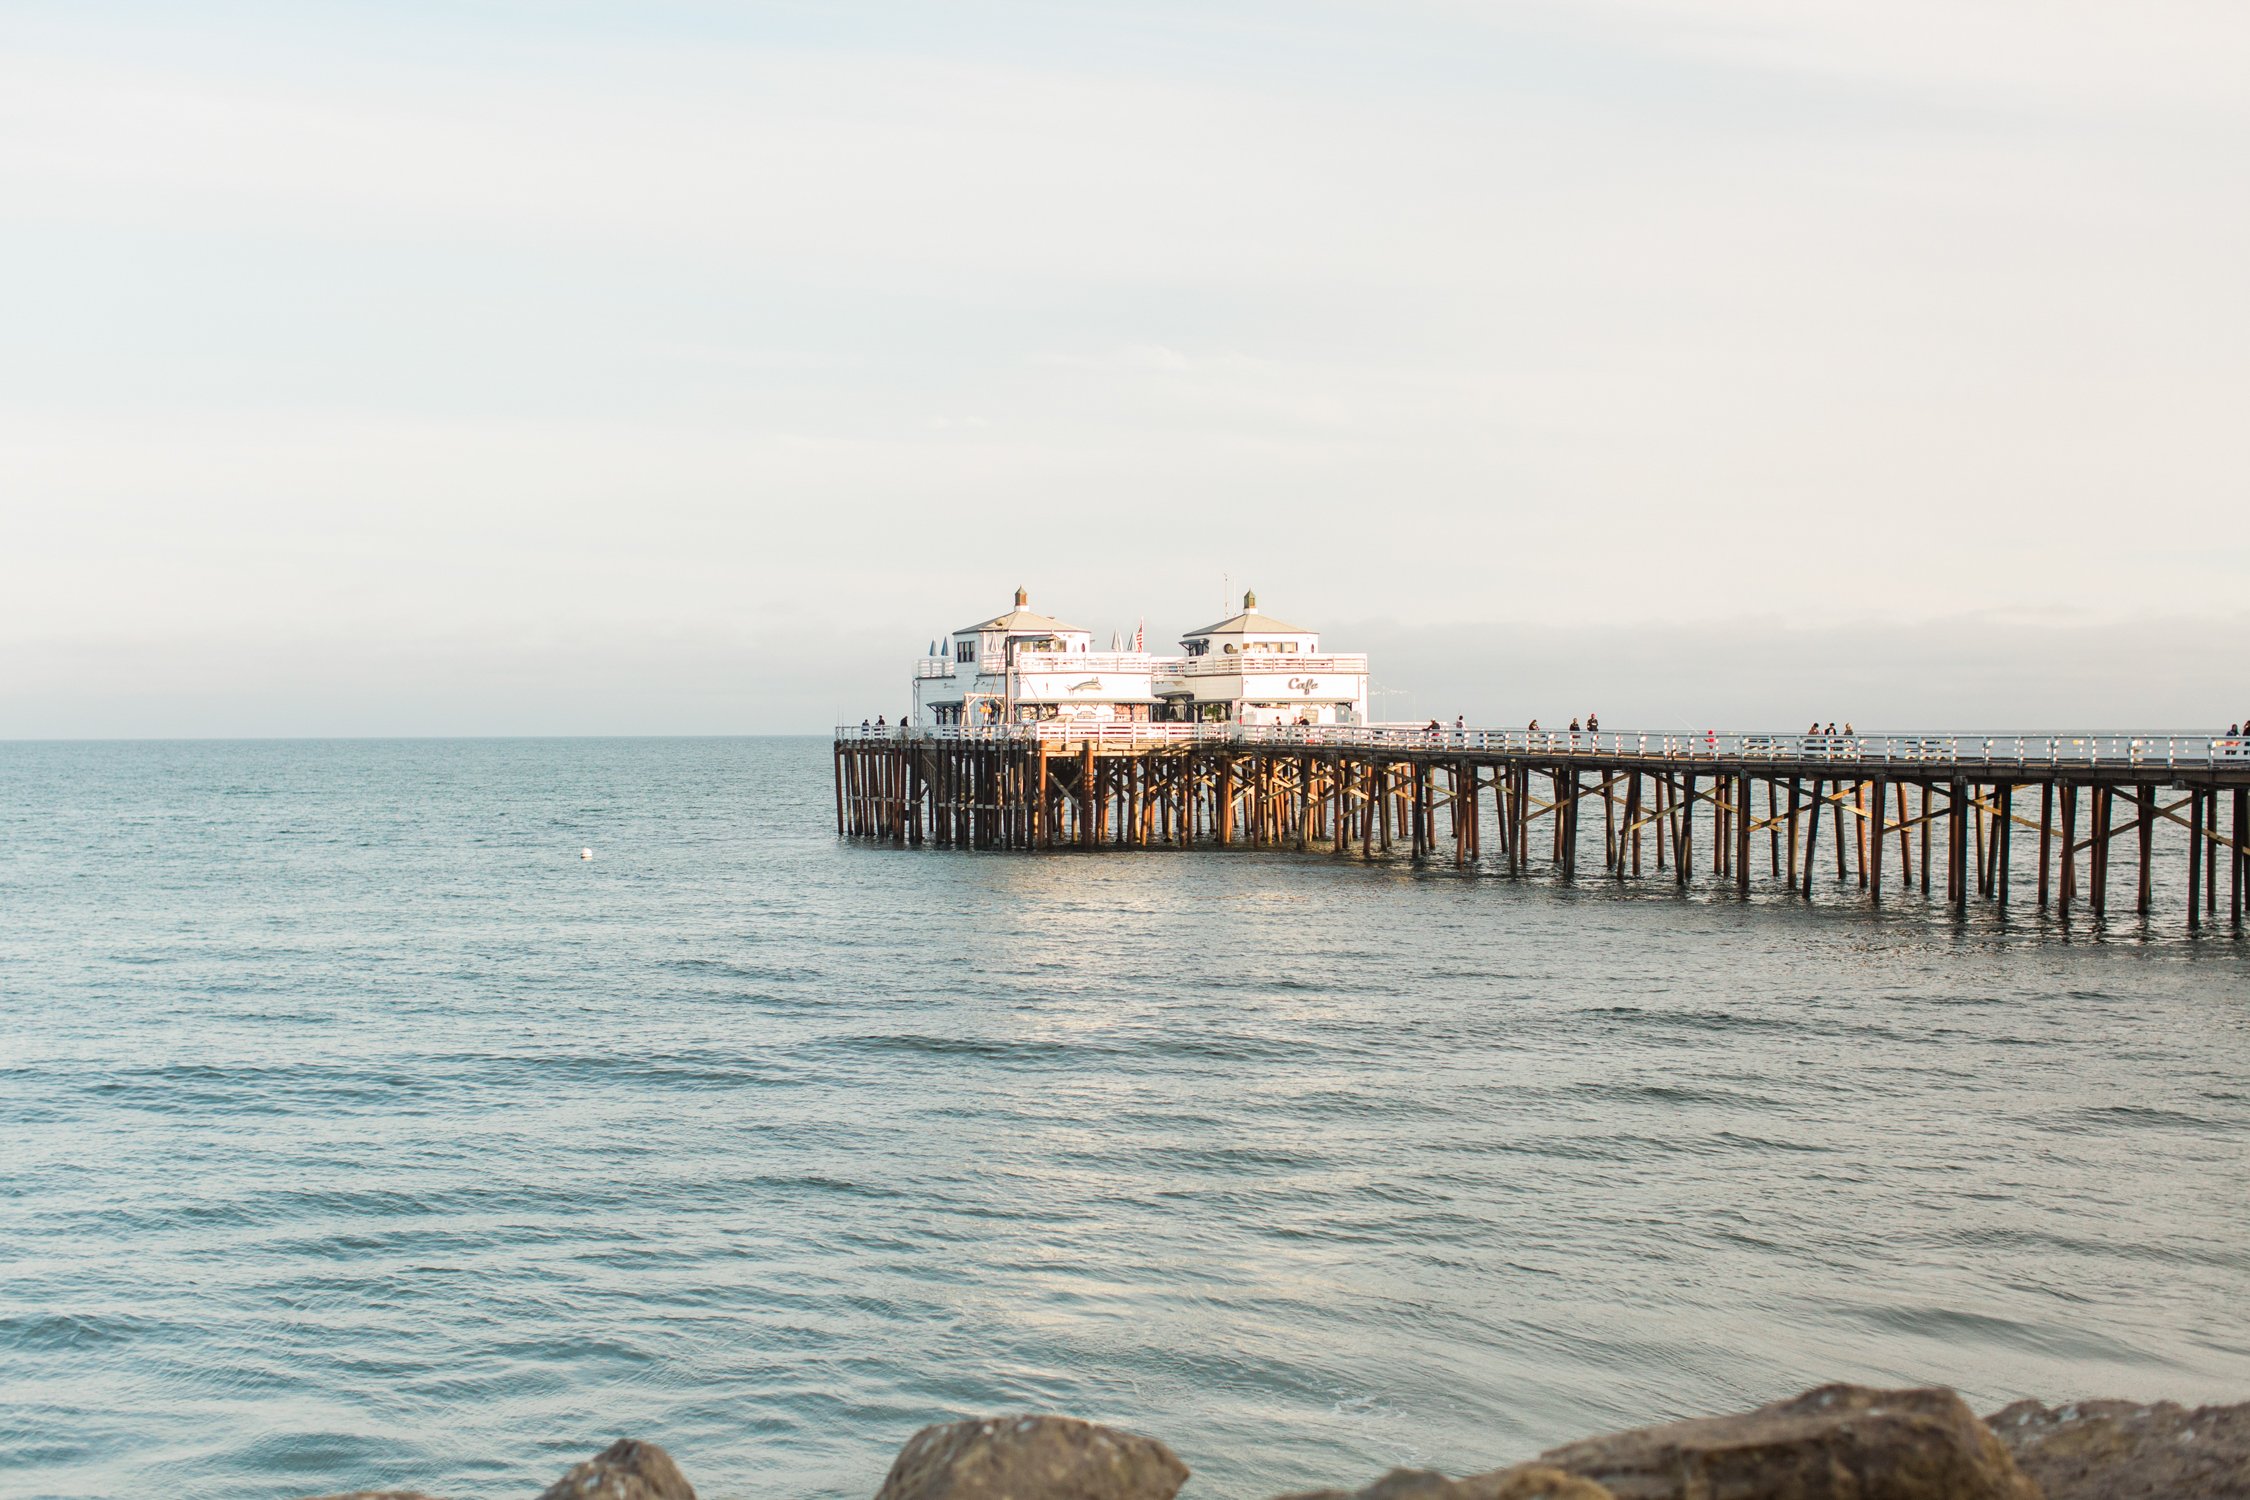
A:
x,y
2097,857
1505,811
1722,830
2003,842
2046,836
1226,798
1843,847
1661,819
1632,835
1873,874
1042,825
1742,834
2067,891
1861,826
2241,851
2195,858
1570,829
1957,849
1524,816
2210,851
1554,816
1086,834
1791,840
2145,815
1981,838
914,797
1682,857
1613,854
1905,842
1464,812
1812,835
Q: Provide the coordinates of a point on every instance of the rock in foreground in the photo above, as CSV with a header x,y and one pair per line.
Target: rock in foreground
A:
x,y
625,1470
1032,1458
1839,1442
2119,1450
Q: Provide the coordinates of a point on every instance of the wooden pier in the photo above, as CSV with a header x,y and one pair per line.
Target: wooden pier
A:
x,y
2086,818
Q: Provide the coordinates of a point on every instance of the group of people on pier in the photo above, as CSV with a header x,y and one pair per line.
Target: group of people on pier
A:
x,y
1593,725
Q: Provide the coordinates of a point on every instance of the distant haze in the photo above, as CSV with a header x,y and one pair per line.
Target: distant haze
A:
x,y
685,367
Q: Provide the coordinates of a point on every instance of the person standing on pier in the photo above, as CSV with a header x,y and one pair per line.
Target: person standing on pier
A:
x,y
1593,722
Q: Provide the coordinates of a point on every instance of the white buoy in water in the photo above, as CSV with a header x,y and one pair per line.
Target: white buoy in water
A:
x,y
585,854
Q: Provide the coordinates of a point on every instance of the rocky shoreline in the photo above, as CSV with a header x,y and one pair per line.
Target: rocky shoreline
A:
x,y
1837,1442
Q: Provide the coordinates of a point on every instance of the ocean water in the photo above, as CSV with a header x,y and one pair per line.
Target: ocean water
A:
x,y
355,1132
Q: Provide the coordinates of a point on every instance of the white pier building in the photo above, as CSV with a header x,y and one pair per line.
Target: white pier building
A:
x,y
1024,667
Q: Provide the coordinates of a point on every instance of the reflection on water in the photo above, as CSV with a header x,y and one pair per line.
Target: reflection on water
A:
x,y
360,1132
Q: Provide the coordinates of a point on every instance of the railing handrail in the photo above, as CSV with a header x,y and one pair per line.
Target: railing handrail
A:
x,y
1263,661
1914,747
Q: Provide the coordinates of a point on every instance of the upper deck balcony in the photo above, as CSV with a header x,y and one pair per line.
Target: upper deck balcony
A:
x,y
1129,662
1182,670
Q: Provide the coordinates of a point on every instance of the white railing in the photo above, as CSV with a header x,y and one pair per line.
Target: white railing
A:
x,y
1261,662
2001,750
1084,661
934,666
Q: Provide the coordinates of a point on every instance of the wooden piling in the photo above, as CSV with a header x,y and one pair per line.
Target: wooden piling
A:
x,y
1742,835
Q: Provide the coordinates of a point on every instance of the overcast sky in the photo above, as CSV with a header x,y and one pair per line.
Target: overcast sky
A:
x,y
672,367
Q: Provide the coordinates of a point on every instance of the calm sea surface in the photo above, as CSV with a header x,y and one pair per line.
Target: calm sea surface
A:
x,y
355,1131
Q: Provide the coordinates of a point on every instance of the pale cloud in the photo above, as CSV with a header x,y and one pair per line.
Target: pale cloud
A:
x,y
412,336
2172,55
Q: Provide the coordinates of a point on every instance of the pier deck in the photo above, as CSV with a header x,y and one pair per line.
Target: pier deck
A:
x,y
1948,800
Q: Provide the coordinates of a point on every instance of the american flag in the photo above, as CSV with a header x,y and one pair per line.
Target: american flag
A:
x,y
1140,636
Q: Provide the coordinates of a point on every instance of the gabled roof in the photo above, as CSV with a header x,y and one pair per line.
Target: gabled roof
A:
x,y
1249,622
1021,621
